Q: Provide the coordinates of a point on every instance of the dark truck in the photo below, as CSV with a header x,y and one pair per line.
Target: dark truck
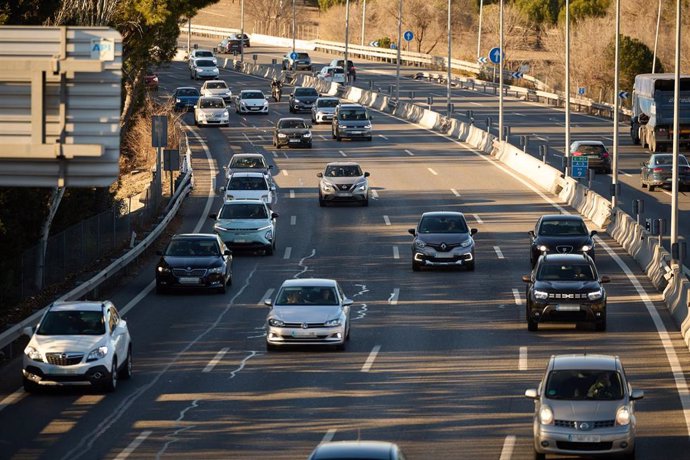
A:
x,y
652,111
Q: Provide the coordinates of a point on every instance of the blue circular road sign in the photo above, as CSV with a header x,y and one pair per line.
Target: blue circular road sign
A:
x,y
408,35
293,55
495,55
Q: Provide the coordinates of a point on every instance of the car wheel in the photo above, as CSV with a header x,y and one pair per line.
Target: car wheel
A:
x,y
369,138
270,347
651,187
111,384
538,456
322,203
309,145
29,386
160,289
600,325
332,134
365,202
642,183
338,138
470,266
126,371
223,289
269,250
416,267
277,145
341,346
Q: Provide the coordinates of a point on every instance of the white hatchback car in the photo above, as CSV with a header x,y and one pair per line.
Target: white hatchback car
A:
x,y
249,186
251,101
211,111
217,88
78,343
207,54
203,68
331,74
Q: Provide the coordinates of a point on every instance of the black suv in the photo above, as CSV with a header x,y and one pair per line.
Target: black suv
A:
x,y
565,288
560,234
302,98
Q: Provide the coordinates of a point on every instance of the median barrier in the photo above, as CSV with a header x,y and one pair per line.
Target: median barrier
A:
x,y
587,202
542,174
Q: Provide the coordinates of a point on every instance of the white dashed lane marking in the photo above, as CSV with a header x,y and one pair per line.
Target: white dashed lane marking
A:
x,y
288,252
396,252
432,171
455,192
499,253
371,358
386,220
216,359
266,296
478,219
293,220
516,296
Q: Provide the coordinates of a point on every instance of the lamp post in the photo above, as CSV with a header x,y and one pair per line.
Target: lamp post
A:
x,y
293,27
616,108
656,37
567,88
242,31
500,72
397,66
676,129
479,32
449,57
364,20
346,69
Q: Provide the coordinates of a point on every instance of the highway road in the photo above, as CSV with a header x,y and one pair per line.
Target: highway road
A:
x,y
438,361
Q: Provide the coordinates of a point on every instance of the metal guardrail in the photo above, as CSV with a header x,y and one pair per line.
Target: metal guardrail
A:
x,y
14,332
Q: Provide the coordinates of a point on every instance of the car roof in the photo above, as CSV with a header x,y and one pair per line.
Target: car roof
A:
x,y
247,155
217,80
443,213
584,361
291,118
77,305
190,236
247,201
565,258
561,217
588,142
217,98
355,449
323,98
185,87
249,174
351,106
320,282
342,163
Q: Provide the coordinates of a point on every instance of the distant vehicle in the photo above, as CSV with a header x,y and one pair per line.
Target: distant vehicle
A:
x,y
350,66
77,343
248,162
584,405
351,121
369,450
292,132
651,123
302,98
343,181
657,171
565,288
210,110
598,156
251,101
249,186
230,45
185,98
217,88
247,224
244,38
442,239
205,54
323,109
310,311
302,62
331,74
203,68
194,260
560,234
151,81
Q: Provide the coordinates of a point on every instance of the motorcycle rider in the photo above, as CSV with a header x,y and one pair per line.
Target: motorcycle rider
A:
x,y
276,89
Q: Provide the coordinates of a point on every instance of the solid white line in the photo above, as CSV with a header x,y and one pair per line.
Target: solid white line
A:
x,y
386,220
144,292
342,153
328,437
288,252
478,219
371,358
247,137
432,171
624,173
292,193
323,137
133,445
216,359
409,153
267,295
396,252
498,252
393,299
522,359
285,172
508,446
381,135
516,296
211,193
455,192
293,220
13,398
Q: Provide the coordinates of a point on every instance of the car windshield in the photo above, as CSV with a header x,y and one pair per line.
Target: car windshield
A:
x,y
247,183
307,296
206,54
562,228
327,103
584,385
667,160
204,63
306,92
216,85
72,323
253,95
292,124
589,149
566,272
343,171
212,104
187,92
191,248
353,114
245,162
243,211
443,224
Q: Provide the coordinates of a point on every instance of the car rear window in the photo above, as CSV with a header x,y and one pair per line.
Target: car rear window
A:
x,y
302,56
204,54
72,323
247,183
591,149
188,92
562,228
192,248
443,224
216,85
565,272
588,384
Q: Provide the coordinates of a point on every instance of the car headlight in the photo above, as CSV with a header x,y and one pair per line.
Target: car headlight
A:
x,y
33,353
541,295
298,101
586,247
281,135
269,235
177,99
596,295
419,244
97,354
220,228
275,322
367,126
342,126
623,416
162,269
243,103
307,135
220,269
466,243
228,94
332,323
326,186
543,248
545,415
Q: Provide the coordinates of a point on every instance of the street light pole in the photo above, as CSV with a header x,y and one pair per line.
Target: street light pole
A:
x,y
449,57
364,20
346,69
479,32
397,66
656,37
242,31
293,27
676,129
567,88
616,109
189,35
501,53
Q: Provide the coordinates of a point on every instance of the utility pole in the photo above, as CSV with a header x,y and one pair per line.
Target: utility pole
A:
x,y
567,88
346,69
656,37
293,27
448,95
397,66
501,53
364,20
616,109
242,31
479,32
676,130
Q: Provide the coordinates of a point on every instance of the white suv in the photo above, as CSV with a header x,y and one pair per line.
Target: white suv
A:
x,y
249,186
82,343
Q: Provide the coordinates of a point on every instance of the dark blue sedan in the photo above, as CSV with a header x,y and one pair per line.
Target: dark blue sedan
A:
x,y
185,98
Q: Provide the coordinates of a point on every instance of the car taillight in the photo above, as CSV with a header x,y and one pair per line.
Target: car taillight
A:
x,y
577,154
605,155
657,169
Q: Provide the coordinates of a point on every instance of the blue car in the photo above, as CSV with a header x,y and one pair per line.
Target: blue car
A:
x,y
185,98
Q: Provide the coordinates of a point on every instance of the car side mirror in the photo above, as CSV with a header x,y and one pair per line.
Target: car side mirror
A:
x,y
473,231
221,189
274,215
366,174
347,302
227,252
593,232
268,302
270,166
213,216
605,279
527,278
531,233
272,188
412,231
531,393
159,253
636,395
28,331
319,174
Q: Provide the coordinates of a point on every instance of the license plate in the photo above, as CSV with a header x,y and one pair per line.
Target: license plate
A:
x,y
356,132
343,194
567,307
302,333
189,280
584,438
294,141
444,255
